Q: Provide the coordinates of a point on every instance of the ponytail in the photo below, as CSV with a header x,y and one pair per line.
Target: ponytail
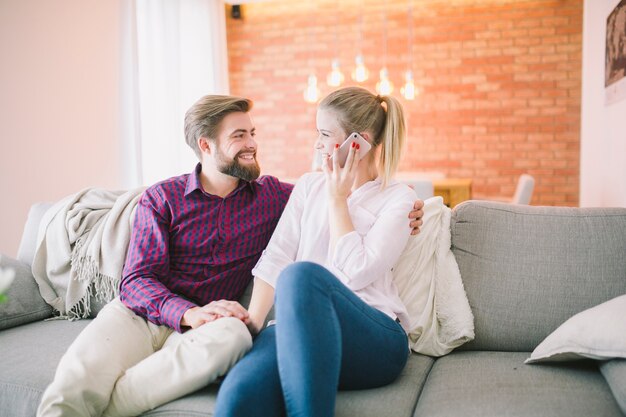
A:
x,y
393,138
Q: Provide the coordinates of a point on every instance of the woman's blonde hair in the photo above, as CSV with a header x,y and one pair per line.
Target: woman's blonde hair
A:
x,y
382,116
204,117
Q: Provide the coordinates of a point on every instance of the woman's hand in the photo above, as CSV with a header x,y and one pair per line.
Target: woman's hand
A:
x,y
340,180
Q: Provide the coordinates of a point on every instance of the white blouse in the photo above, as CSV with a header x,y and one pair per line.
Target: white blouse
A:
x,y
362,259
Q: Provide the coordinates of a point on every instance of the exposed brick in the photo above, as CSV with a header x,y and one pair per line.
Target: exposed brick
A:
x,y
500,84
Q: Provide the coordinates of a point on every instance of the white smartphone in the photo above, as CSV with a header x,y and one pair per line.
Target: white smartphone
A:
x,y
342,152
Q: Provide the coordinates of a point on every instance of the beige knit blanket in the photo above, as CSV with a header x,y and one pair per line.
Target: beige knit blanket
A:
x,y
81,247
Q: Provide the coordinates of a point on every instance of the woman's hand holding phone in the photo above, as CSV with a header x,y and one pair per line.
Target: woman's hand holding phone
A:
x,y
339,180
362,150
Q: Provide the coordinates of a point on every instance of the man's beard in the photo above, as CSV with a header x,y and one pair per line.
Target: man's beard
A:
x,y
235,169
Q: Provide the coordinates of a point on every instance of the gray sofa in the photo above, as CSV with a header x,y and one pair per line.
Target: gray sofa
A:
x,y
525,269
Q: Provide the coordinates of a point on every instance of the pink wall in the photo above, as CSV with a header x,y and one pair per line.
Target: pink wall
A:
x,y
59,104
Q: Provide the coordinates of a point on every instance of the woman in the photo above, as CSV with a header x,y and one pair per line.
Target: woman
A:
x,y
328,264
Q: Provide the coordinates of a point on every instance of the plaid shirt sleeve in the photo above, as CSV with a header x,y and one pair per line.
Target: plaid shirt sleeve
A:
x,y
147,261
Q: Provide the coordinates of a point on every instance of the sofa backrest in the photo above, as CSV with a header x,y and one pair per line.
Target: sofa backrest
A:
x,y
528,269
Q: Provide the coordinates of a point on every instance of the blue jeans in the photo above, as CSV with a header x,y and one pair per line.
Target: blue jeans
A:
x,y
325,338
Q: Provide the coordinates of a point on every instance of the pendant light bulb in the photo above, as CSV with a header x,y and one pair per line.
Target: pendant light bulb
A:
x,y
384,86
408,90
335,77
312,92
360,72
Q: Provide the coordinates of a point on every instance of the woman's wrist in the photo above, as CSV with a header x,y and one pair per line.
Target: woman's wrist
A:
x,y
338,201
255,324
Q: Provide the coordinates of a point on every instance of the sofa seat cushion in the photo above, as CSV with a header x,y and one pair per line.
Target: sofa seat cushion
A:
x,y
30,354
614,372
397,399
484,384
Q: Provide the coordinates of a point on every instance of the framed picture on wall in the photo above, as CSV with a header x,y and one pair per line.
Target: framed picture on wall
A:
x,y
615,58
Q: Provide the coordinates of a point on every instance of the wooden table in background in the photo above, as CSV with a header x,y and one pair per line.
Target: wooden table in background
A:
x,y
453,190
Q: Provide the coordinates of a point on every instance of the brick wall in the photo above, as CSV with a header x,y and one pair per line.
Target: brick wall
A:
x,y
500,83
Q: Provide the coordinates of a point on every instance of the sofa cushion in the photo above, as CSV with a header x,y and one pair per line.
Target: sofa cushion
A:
x,y
399,396
485,384
614,372
597,333
528,269
24,303
30,354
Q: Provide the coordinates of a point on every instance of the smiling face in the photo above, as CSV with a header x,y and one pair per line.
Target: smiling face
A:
x,y
234,151
329,132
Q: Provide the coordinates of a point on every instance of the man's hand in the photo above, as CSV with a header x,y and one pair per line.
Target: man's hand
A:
x,y
416,216
197,316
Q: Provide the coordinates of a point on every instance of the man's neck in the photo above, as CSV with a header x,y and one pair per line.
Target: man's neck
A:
x,y
216,183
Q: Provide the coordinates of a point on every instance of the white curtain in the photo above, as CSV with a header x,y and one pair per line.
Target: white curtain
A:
x,y
174,53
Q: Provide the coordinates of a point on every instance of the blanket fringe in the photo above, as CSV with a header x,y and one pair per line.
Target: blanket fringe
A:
x,y
101,287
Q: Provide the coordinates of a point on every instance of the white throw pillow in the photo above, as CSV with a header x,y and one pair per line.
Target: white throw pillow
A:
x,y
429,284
596,333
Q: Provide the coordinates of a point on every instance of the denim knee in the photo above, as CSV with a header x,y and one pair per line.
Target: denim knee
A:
x,y
300,280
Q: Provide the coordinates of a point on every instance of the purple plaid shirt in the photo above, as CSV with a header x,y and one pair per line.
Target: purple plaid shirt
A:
x,y
189,248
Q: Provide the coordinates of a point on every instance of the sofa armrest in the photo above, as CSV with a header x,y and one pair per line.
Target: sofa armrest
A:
x,y
26,250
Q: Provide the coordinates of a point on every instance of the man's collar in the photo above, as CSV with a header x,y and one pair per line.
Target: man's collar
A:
x,y
193,182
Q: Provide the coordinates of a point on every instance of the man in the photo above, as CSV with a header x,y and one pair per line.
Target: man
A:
x,y
194,242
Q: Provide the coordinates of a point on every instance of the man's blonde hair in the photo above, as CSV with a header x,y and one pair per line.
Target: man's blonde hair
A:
x,y
204,117
382,116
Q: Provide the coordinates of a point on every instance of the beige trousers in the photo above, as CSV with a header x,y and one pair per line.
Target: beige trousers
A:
x,y
124,365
